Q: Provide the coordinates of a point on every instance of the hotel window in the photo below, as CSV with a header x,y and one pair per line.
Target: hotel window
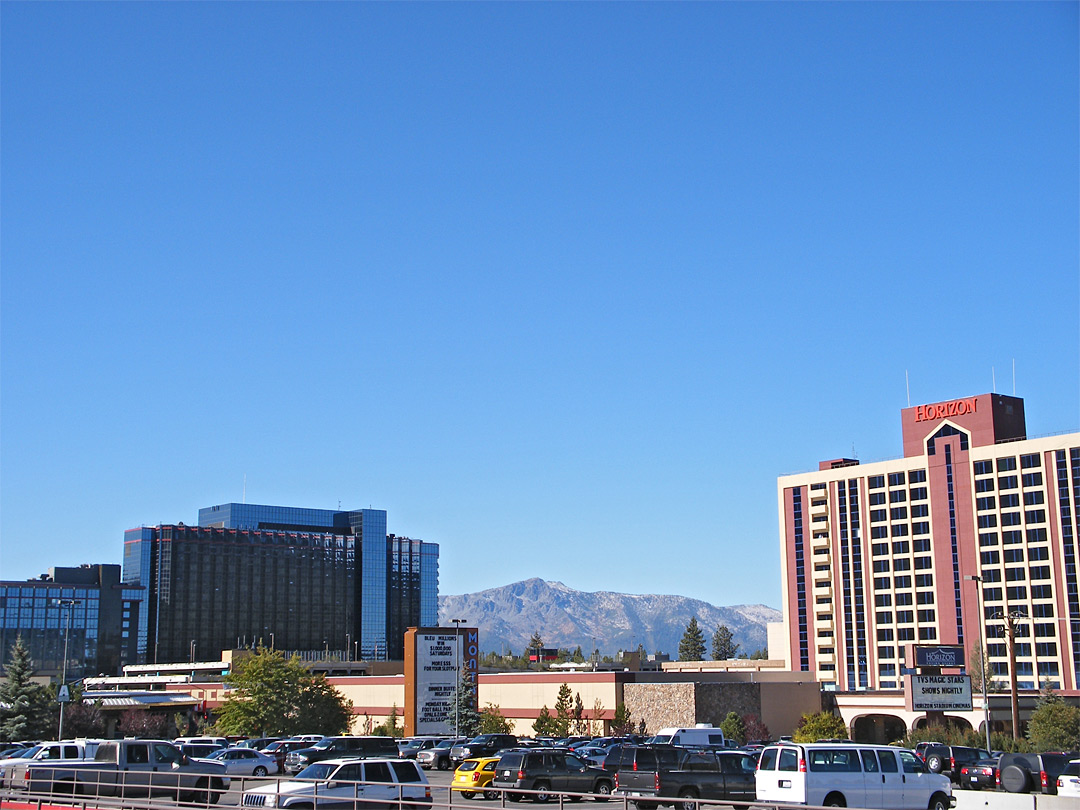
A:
x,y
877,498
925,597
991,575
883,617
1045,649
905,634
1042,592
928,615
899,530
898,513
991,594
996,650
1036,535
1044,630
1035,516
878,515
989,558
921,545
1033,498
1010,501
983,467
819,552
918,493
1013,555
1007,482
1010,518
882,583
879,532
920,527
824,634
922,563
902,582
821,583
900,547
875,481
826,650
982,504
821,536
1016,593
882,600
828,667
987,521
1042,610
1011,537
820,518
896,479
920,510
905,616
1039,553
880,549
903,599
822,566
1033,479
984,485
1006,463
885,634
823,600
927,634
1040,572
897,496
817,486
924,580
886,652
1015,575
916,476
1028,461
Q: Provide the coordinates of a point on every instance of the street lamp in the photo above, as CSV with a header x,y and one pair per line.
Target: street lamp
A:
x,y
457,673
348,646
69,604
982,658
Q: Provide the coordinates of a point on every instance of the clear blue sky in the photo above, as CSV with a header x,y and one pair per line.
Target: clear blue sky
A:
x,y
563,287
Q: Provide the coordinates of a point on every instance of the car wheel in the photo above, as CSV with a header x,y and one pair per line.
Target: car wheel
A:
x,y
603,790
260,771
939,801
443,764
934,763
1014,779
514,797
468,794
543,792
835,800
491,794
687,795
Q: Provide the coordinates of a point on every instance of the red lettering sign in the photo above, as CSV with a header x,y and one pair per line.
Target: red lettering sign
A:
x,y
943,410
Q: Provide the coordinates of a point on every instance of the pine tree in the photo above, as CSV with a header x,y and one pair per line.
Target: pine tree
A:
x,y
25,708
564,707
544,722
536,643
724,647
1054,725
734,728
579,726
464,718
621,722
493,722
692,646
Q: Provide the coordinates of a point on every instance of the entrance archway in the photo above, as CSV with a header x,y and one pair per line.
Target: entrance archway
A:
x,y
878,728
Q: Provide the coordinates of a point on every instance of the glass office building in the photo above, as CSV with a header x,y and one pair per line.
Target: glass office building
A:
x,y
294,578
86,607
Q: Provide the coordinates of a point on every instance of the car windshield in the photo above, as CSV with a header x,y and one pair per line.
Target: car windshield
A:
x,y
445,744
29,752
468,765
411,744
321,745
220,753
320,770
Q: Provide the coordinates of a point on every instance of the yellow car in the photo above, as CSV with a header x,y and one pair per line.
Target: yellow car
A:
x,y
474,776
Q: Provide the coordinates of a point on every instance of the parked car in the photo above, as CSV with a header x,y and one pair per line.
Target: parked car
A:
x,y
256,743
1068,783
439,756
696,737
979,775
949,759
696,774
1027,773
335,747
409,748
850,775
245,762
200,750
49,752
346,782
219,742
547,770
280,749
474,776
485,745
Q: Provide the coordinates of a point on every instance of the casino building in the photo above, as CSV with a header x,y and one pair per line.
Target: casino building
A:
x,y
975,525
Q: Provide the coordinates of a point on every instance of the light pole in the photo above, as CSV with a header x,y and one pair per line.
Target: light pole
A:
x,y
984,665
457,674
348,646
193,651
69,604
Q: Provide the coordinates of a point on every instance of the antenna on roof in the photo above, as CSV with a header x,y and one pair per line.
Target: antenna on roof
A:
x,y
907,385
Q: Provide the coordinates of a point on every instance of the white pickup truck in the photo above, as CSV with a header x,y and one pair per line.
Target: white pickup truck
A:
x,y
126,768
347,783
50,752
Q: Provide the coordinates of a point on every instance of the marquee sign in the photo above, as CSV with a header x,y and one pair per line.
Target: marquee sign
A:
x,y
434,659
940,656
938,693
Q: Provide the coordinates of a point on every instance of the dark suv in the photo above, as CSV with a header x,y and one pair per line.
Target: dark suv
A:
x,y
949,759
546,771
1027,773
486,745
340,748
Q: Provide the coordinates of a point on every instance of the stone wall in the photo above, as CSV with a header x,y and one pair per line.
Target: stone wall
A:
x,y
660,704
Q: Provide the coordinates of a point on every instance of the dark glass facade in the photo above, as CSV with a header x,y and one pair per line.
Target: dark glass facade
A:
x,y
86,606
300,579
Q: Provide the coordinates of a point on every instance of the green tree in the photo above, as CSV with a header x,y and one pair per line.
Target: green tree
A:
x,y
390,727
760,655
26,711
724,647
692,646
463,717
544,724
564,708
820,726
580,725
493,722
578,656
536,644
621,721
596,724
274,695
1054,725
976,669
734,728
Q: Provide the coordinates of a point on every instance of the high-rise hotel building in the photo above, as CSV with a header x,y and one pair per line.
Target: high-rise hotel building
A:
x,y
877,557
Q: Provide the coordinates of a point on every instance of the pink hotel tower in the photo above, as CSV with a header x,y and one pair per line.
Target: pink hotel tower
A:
x,y
878,557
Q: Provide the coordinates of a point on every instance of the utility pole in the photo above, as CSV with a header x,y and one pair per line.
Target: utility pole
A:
x,y
982,659
70,605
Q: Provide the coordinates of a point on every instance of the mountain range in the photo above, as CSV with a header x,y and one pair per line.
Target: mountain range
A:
x,y
507,618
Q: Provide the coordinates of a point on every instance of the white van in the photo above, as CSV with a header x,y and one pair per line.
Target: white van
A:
x,y
696,737
878,777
